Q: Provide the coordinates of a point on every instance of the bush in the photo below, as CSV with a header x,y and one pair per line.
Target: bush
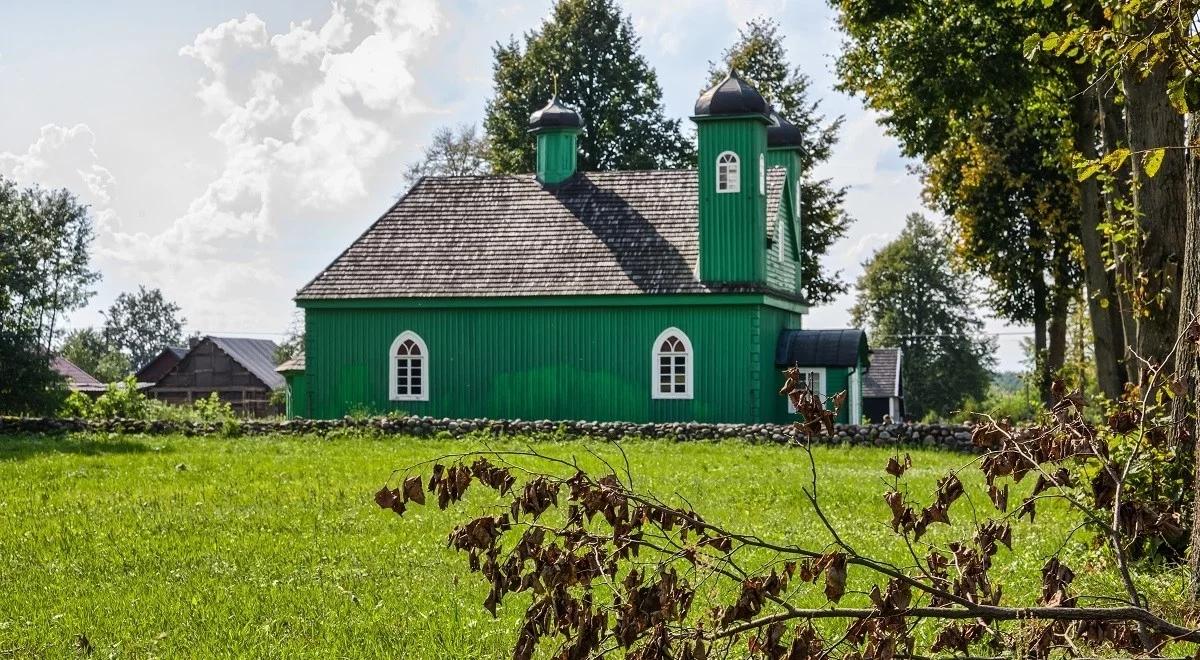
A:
x,y
212,409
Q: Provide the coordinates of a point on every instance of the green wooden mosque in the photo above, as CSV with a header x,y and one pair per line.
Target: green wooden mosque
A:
x,y
645,296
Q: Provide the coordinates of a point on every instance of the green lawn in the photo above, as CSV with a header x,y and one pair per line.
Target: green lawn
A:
x,y
272,547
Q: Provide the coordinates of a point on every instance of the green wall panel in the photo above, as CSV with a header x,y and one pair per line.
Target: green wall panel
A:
x,y
546,362
732,225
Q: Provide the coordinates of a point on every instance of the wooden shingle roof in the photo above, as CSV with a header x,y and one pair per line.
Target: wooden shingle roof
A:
x,y
883,378
627,232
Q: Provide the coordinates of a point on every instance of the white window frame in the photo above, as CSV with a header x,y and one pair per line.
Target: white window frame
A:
x,y
821,375
392,371
732,169
762,174
688,365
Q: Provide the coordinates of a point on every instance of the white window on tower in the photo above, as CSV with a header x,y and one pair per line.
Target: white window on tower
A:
x,y
762,174
729,178
409,368
811,379
671,366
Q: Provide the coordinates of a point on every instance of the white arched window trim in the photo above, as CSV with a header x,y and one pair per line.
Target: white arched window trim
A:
x,y
393,368
729,172
658,369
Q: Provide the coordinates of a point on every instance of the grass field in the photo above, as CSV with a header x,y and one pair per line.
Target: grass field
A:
x,y
272,547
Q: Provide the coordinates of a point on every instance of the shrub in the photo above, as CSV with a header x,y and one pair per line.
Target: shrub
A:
x,y
212,409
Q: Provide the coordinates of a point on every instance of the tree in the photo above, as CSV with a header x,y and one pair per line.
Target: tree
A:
x,y
45,273
954,86
88,349
760,57
586,54
292,345
909,296
457,151
138,325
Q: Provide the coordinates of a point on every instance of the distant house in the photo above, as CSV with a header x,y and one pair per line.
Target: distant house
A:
x,y
883,389
77,379
160,366
830,361
240,371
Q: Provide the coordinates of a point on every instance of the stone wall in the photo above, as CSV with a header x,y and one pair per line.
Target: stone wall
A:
x,y
953,437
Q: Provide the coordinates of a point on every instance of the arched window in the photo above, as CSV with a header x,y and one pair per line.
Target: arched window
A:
x,y
729,179
672,360
409,368
762,174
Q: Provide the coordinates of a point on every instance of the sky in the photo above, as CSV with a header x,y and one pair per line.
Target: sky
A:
x,y
231,149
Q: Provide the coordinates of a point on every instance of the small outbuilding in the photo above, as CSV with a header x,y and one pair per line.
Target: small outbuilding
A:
x,y
240,371
830,361
883,388
77,379
160,365
297,385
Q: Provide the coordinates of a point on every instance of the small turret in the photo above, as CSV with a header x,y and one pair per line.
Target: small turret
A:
x,y
731,132
557,128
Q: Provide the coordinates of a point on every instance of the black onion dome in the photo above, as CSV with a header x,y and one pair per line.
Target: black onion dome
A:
x,y
783,133
555,115
731,96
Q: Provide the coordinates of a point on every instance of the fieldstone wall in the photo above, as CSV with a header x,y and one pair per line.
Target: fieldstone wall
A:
x,y
952,437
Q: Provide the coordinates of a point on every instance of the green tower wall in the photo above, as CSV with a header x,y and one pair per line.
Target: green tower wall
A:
x,y
556,155
732,225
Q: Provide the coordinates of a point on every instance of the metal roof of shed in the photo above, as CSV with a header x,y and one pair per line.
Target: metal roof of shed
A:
x,y
821,348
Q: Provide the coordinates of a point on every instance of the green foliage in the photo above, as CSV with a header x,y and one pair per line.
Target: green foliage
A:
x,y
44,274
761,58
994,133
587,51
212,408
122,400
910,297
139,325
189,534
89,351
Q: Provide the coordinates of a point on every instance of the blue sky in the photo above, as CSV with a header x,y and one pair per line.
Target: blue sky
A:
x,y
230,149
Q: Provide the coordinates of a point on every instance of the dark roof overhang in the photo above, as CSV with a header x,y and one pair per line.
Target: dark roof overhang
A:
x,y
822,348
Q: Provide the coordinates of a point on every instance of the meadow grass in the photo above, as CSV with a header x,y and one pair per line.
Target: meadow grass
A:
x,y
272,547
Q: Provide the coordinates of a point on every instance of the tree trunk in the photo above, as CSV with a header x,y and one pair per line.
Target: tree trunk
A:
x,y
1044,377
1160,203
1112,136
1188,359
1056,352
1104,309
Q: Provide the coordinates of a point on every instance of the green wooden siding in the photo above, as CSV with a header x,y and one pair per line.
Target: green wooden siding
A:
x,y
556,155
773,407
783,274
544,362
732,225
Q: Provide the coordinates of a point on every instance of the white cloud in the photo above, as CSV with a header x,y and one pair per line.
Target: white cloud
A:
x,y
302,118
62,157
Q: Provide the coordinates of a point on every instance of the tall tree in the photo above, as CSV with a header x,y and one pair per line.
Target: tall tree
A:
x,y
586,53
457,151
909,296
45,273
139,325
87,348
761,58
952,83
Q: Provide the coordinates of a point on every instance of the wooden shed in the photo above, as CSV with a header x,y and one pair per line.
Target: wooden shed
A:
x,y
77,379
160,366
241,371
